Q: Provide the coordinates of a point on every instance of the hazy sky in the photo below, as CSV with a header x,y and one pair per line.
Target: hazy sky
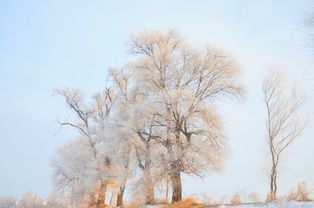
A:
x,y
55,43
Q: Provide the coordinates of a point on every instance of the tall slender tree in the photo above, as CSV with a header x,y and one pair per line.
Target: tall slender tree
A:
x,y
284,122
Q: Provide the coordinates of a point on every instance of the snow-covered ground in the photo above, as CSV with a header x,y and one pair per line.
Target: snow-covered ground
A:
x,y
277,205
261,205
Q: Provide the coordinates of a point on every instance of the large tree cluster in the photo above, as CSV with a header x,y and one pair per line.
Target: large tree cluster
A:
x,y
155,120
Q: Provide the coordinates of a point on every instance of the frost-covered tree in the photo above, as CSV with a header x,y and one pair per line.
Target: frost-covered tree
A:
x,y
87,118
157,118
181,85
30,200
8,202
133,119
75,170
136,112
56,200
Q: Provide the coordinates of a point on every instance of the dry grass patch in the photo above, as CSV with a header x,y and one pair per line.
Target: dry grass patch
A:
x,y
105,206
301,194
135,204
187,203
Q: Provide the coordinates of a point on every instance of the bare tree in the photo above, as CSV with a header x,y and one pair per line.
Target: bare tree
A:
x,y
284,122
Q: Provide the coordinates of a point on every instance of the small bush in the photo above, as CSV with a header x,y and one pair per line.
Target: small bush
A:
x,y
236,199
204,197
8,202
301,194
303,191
292,196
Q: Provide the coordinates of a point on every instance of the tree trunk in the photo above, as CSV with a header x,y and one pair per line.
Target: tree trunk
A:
x,y
102,195
120,196
167,190
149,192
176,185
111,199
273,184
92,200
150,195
149,186
122,186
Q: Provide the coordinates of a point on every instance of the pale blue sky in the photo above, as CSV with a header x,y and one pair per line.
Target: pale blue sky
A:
x,y
55,43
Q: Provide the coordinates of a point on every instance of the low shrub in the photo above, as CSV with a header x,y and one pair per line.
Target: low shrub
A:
x,y
187,203
236,199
